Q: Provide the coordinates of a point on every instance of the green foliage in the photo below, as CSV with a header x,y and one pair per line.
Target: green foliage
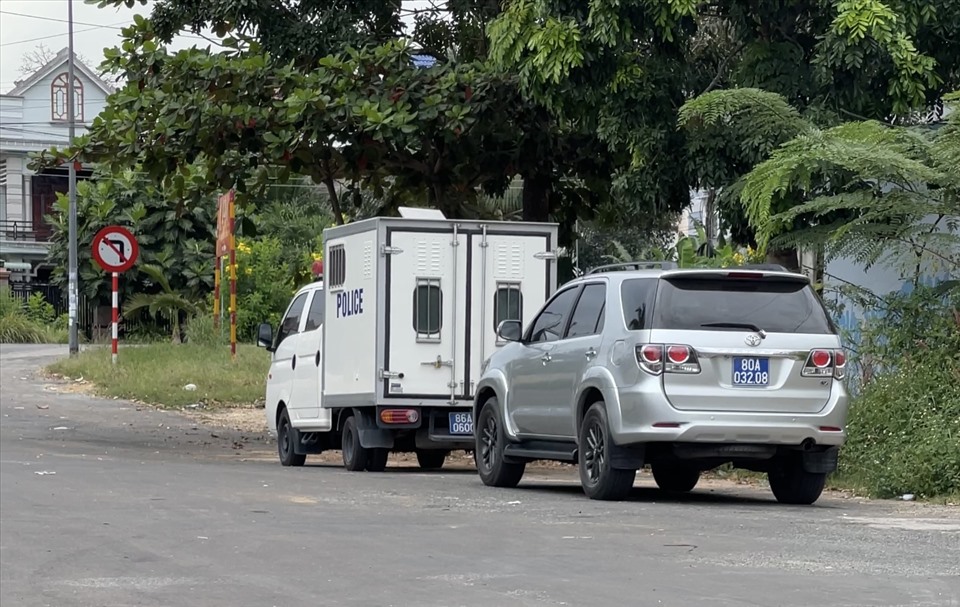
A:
x,y
904,431
169,303
33,323
265,283
867,189
202,331
173,234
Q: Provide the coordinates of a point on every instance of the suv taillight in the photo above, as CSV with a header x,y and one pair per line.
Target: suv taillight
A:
x,y
825,363
667,358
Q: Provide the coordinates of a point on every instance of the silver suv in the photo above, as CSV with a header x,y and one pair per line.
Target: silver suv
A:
x,y
682,370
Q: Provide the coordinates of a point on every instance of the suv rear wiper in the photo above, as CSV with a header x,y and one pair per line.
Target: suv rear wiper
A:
x,y
737,325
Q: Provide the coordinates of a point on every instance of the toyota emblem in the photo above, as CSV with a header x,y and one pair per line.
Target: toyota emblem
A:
x,y
753,340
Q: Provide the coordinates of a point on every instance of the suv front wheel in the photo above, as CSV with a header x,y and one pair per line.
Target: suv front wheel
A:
x,y
490,443
600,481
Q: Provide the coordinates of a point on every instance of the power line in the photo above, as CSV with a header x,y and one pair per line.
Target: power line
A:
x,y
45,18
94,26
89,29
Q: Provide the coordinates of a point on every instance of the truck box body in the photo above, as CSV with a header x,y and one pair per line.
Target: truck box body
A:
x,y
412,305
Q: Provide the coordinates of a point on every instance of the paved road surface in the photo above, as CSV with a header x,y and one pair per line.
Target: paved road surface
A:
x,y
104,505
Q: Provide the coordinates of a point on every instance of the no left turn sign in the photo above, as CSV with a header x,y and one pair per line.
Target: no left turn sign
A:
x,y
115,249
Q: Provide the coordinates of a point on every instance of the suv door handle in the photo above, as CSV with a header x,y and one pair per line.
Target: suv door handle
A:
x,y
546,358
317,358
293,362
590,354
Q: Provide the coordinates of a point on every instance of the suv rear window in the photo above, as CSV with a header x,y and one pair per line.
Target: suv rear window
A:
x,y
776,306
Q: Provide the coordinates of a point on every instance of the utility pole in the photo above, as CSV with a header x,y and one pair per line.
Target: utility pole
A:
x,y
72,283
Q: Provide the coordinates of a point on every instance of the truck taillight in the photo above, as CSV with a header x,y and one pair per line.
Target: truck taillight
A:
x,y
674,358
825,363
399,416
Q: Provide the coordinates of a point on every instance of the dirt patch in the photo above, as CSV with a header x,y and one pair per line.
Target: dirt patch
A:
x,y
248,420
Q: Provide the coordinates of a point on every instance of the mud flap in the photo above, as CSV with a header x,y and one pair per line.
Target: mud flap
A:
x,y
821,462
626,458
372,437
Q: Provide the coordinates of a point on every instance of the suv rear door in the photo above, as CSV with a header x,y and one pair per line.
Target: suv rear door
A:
x,y
752,334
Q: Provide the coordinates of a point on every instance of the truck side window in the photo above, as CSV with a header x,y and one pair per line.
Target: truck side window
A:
x,y
315,314
291,322
507,303
427,309
549,325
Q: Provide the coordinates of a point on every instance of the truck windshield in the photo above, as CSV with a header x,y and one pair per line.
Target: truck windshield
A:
x,y
725,304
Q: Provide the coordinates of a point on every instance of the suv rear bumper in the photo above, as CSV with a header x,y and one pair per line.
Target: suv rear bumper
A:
x,y
645,415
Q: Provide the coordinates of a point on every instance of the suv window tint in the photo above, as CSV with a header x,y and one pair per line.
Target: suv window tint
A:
x,y
549,325
776,306
291,322
588,312
315,314
636,297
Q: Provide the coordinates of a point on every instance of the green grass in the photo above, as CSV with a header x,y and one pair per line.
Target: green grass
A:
x,y
157,373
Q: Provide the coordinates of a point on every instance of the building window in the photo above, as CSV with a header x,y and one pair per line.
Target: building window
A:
x,y
336,267
58,99
507,303
427,309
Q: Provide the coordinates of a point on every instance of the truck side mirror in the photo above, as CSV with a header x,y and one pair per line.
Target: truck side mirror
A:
x,y
265,336
510,330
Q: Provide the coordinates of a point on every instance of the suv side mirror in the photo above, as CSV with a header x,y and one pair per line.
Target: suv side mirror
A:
x,y
510,330
265,336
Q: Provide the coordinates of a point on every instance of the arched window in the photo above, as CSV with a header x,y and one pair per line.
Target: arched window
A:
x,y
58,99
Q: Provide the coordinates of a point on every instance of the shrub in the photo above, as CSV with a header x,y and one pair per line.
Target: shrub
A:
x,y
904,430
18,326
201,331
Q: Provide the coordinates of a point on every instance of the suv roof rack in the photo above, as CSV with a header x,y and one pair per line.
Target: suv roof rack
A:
x,y
634,265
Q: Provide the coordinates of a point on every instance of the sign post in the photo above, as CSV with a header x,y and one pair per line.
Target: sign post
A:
x,y
115,250
227,246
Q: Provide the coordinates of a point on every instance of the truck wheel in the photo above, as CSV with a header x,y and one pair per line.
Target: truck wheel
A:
x,y
488,455
599,480
285,438
377,459
791,484
354,455
675,477
431,459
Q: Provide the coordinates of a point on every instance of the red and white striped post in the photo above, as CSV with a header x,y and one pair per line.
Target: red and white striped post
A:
x,y
113,316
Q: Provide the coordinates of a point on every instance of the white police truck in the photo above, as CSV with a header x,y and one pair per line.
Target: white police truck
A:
x,y
384,352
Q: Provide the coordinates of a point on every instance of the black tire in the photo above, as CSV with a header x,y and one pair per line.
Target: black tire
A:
x,y
431,459
355,457
598,479
488,454
791,484
285,437
377,459
675,477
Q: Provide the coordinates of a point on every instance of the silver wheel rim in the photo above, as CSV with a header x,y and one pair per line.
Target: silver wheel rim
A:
x,y
488,450
593,453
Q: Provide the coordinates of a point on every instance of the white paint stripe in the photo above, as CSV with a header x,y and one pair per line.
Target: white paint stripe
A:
x,y
115,298
114,329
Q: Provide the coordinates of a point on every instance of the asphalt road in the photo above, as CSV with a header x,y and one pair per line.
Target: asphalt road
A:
x,y
105,505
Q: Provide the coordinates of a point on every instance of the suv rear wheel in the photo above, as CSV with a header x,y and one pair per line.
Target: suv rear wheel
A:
x,y
675,477
488,454
599,480
791,484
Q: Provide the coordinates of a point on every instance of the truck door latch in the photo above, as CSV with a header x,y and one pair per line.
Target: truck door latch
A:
x,y
436,364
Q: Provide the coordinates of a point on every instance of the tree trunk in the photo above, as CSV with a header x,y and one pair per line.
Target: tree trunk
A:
x,y
536,198
332,191
175,323
785,257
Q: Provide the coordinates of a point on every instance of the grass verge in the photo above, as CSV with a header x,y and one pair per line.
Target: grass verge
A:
x,y
157,373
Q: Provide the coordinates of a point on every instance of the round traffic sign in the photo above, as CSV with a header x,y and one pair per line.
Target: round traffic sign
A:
x,y
115,249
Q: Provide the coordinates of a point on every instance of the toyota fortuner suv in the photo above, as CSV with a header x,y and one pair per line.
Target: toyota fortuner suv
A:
x,y
681,370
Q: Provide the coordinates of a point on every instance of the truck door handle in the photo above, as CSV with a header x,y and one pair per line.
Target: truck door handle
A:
x,y
293,362
546,358
590,354
317,359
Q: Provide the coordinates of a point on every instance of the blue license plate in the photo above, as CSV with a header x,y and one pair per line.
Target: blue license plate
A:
x,y
461,423
751,371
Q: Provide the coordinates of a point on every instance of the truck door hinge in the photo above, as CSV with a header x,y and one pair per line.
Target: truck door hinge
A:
x,y
549,255
387,250
436,364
